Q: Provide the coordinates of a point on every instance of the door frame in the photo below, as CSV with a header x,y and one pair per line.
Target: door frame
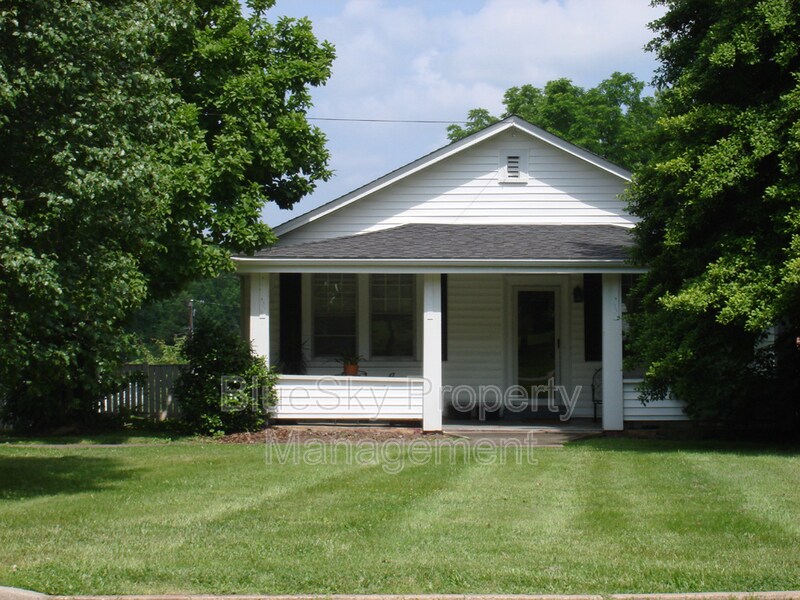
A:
x,y
513,323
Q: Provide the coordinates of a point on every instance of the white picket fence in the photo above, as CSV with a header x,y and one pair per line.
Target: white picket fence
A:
x,y
149,395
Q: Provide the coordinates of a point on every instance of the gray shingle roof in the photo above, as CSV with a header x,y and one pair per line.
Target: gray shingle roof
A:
x,y
469,242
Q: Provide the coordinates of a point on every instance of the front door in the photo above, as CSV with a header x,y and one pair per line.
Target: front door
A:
x,y
536,338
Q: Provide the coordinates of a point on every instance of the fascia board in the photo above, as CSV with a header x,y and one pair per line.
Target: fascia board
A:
x,y
303,265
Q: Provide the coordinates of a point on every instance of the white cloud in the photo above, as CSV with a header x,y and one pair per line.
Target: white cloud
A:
x,y
436,59
535,41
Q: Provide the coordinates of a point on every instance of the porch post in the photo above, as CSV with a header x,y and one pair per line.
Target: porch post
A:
x,y
259,314
432,352
612,352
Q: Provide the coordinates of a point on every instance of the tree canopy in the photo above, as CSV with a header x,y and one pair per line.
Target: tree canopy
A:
x,y
141,139
720,209
612,119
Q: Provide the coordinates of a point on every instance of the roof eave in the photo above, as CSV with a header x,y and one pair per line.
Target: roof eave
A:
x,y
245,265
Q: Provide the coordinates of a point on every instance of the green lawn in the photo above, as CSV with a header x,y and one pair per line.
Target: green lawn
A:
x,y
604,515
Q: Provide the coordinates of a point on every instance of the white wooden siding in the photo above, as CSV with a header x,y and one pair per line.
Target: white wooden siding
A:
x,y
355,398
582,371
663,410
476,353
466,189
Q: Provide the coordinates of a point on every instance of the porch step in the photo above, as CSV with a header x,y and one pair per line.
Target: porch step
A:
x,y
456,429
514,437
577,425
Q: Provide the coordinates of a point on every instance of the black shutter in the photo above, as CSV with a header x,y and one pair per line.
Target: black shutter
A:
x,y
290,354
444,316
592,317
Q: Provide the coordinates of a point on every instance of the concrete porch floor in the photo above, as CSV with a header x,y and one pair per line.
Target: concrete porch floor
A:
x,y
543,434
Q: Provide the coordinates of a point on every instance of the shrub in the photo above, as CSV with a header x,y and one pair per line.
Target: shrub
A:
x,y
225,387
159,352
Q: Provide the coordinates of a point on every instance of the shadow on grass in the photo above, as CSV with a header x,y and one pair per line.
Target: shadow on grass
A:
x,y
30,476
110,438
687,444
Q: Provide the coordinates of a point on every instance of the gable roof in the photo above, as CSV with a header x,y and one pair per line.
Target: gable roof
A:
x,y
510,123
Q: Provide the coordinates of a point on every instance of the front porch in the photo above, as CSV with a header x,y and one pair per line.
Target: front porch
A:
x,y
468,353
495,320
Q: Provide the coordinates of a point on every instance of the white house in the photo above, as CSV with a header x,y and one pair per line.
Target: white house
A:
x,y
485,277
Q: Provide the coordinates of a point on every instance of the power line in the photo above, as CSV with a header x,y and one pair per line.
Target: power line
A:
x,y
423,121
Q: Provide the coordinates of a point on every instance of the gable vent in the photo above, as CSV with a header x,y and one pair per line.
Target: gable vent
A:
x,y
513,166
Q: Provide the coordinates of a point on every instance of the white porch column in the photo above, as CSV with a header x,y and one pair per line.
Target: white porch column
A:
x,y
612,352
432,352
259,313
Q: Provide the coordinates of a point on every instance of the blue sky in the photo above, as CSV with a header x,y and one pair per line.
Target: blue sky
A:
x,y
436,59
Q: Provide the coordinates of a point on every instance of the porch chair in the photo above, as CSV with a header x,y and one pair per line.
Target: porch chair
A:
x,y
597,391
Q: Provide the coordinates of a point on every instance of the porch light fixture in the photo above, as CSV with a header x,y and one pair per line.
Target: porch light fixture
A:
x,y
577,294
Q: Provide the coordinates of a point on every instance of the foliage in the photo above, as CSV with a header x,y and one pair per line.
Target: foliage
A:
x,y
720,226
210,399
141,139
159,352
160,326
349,358
612,119
84,116
245,82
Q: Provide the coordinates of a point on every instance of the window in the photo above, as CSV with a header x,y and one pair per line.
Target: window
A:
x,y
334,306
391,315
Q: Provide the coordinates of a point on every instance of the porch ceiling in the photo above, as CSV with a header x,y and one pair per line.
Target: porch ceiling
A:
x,y
447,247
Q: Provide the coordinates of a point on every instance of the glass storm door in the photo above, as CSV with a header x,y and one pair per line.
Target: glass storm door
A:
x,y
536,338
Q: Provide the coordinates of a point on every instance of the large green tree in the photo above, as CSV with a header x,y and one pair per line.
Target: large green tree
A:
x,y
141,139
720,209
612,119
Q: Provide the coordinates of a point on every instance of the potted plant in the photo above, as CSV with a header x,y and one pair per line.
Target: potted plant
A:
x,y
350,362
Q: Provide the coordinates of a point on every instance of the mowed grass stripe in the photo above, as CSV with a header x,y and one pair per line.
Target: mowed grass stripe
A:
x,y
599,516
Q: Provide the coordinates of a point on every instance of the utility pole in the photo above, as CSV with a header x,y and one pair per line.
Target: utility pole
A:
x,y
190,304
